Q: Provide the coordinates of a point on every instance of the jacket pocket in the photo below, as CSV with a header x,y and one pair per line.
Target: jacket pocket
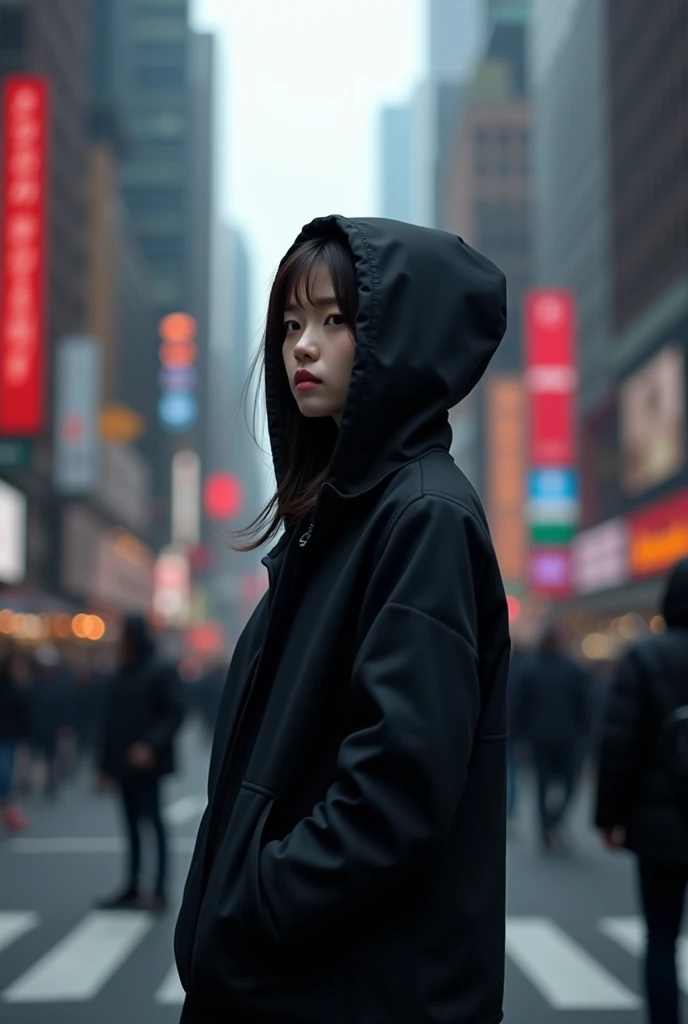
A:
x,y
226,924
237,966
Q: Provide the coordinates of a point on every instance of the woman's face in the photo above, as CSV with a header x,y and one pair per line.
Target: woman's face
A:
x,y
318,350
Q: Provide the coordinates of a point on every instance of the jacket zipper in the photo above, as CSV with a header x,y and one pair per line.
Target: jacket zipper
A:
x,y
237,755
303,540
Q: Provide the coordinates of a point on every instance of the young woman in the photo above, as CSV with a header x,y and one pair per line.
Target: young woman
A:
x,y
350,865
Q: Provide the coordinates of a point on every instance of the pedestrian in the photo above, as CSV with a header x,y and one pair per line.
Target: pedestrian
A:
x,y
519,659
143,712
552,713
642,796
15,681
49,713
351,861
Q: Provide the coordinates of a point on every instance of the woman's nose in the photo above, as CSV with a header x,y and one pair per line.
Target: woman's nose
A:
x,y
307,345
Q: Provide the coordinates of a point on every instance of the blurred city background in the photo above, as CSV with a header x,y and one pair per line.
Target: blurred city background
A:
x,y
136,243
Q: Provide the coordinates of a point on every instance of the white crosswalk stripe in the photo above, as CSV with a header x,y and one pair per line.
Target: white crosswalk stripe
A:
x,y
563,973
629,933
187,808
14,924
170,992
561,970
79,966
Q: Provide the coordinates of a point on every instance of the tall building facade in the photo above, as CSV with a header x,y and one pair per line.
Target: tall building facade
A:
x,y
611,165
485,189
152,65
453,47
649,170
572,197
157,82
455,37
396,146
238,577
50,38
201,214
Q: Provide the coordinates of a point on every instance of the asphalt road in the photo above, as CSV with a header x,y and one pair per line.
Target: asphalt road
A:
x,y
573,933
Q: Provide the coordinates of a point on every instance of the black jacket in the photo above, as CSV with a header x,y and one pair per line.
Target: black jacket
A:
x,y
552,699
351,863
143,704
14,708
634,790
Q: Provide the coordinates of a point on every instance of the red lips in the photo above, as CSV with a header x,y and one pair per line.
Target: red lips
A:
x,y
304,376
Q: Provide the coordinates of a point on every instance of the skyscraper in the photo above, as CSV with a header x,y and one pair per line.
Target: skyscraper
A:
x,y
454,38
152,52
158,75
395,162
453,48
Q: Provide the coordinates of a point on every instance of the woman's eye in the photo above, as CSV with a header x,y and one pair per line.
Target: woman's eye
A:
x,y
336,320
290,326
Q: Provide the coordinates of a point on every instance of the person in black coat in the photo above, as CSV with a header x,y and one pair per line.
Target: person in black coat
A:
x,y
351,861
143,711
636,804
15,683
552,713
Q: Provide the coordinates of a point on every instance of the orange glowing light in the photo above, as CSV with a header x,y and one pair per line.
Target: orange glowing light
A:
x,y
177,328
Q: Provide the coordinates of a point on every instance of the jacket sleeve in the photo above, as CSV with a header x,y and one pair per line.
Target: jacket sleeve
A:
x,y
621,743
415,704
169,705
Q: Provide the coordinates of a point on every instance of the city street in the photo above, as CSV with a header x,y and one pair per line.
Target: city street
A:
x,y
573,935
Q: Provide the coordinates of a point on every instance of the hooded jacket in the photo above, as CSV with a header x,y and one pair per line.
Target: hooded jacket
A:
x,y
634,789
350,866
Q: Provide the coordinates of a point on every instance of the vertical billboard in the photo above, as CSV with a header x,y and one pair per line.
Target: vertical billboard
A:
x,y
13,508
506,443
23,195
77,414
186,498
551,384
653,422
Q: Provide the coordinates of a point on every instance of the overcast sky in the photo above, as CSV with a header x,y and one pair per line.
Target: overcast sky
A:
x,y
301,83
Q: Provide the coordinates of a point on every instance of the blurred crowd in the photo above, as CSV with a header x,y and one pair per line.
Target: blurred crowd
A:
x,y
54,717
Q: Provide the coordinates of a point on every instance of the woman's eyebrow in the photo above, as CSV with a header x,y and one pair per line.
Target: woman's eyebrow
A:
x,y
326,300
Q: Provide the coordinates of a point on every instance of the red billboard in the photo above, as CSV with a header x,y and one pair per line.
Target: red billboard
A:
x,y
23,199
550,364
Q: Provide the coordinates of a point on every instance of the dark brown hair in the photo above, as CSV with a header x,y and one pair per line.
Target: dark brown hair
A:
x,y
307,444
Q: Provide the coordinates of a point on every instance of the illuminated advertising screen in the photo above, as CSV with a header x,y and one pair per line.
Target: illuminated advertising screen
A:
x,y
600,557
659,535
23,195
12,534
551,383
550,362
653,422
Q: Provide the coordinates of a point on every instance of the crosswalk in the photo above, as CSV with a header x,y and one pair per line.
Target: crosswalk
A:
x,y
565,976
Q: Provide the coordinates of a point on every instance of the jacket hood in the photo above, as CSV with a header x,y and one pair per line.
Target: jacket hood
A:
x,y
431,314
675,606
